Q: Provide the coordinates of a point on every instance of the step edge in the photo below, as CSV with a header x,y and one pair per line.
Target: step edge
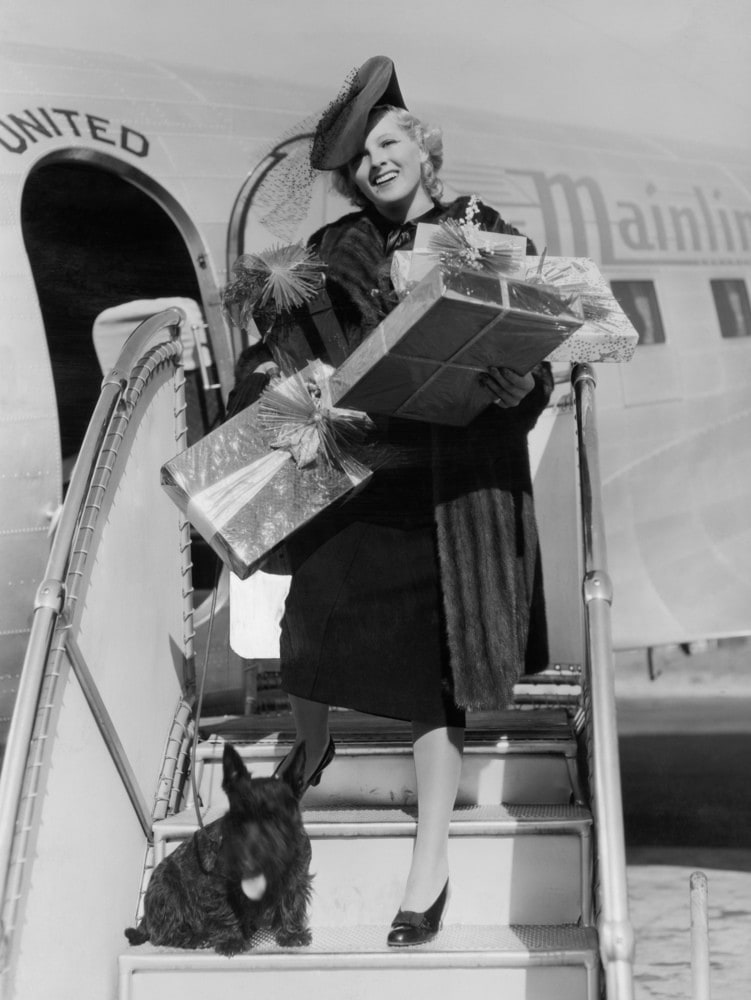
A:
x,y
264,750
564,953
398,823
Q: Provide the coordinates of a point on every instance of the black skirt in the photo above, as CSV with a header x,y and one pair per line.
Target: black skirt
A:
x,y
363,626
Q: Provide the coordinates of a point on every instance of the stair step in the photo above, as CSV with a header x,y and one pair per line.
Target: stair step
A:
x,y
515,962
509,863
553,720
516,756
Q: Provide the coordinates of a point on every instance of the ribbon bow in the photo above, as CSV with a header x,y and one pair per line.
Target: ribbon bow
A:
x,y
298,410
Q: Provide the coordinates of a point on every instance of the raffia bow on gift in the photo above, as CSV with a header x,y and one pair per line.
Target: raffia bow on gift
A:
x,y
459,246
307,429
271,284
569,279
456,246
307,424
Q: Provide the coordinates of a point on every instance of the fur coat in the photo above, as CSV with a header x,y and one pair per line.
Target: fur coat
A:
x,y
489,559
490,567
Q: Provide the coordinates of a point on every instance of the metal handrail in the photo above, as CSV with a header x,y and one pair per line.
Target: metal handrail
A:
x,y
51,595
615,931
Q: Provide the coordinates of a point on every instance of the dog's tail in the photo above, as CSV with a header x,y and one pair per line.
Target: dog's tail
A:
x,y
137,935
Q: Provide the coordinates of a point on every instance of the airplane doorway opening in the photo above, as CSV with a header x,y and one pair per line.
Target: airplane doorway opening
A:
x,y
95,241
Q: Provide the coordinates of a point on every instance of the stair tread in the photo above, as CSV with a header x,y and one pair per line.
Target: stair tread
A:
x,y
356,728
514,945
547,816
278,744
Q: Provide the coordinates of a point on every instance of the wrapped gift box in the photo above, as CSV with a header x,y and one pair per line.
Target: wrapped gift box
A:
x,y
246,497
307,332
426,359
408,267
607,333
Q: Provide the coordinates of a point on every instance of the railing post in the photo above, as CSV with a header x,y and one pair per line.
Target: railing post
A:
x,y
699,937
615,931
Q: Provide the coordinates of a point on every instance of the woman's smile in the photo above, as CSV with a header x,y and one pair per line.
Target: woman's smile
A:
x,y
385,178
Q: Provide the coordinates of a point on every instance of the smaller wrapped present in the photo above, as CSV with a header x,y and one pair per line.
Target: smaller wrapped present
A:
x,y
305,333
428,358
250,484
456,246
331,343
281,289
607,333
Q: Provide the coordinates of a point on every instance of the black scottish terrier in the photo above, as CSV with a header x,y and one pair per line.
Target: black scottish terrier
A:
x,y
246,871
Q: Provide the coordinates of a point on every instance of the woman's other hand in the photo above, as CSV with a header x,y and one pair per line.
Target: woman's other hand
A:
x,y
506,387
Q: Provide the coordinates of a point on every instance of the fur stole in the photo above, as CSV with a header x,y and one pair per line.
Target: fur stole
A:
x,y
489,557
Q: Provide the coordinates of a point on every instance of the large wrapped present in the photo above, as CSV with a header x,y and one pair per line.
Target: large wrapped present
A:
x,y
429,357
253,482
607,333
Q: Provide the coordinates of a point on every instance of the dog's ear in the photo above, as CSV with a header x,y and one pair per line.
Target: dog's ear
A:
x,y
232,767
293,771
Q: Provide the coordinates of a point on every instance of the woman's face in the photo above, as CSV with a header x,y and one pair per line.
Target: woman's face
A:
x,y
388,171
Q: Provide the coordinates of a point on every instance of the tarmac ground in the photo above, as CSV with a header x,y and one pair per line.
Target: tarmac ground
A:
x,y
685,749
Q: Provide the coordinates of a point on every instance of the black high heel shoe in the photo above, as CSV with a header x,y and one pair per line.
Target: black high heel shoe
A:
x,y
328,756
411,928
315,778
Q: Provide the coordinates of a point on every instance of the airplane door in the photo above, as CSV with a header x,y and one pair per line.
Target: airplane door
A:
x,y
95,241
88,239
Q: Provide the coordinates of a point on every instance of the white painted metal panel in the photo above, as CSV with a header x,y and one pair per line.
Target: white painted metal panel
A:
x,y
85,850
414,983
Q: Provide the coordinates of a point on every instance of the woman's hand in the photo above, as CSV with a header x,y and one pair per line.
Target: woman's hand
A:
x,y
507,388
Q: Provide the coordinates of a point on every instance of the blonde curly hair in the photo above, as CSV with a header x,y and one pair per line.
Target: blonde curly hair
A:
x,y
429,139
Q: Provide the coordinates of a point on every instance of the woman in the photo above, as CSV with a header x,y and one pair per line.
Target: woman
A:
x,y
421,596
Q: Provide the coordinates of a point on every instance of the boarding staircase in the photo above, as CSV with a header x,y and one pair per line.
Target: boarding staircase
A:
x,y
97,768
519,922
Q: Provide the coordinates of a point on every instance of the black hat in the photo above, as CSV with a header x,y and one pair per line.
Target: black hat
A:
x,y
341,130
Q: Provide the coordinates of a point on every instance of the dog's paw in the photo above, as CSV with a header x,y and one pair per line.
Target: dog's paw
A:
x,y
230,945
137,935
293,938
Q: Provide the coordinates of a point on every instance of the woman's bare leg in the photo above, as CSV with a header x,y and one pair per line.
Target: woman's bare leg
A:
x,y
312,726
438,765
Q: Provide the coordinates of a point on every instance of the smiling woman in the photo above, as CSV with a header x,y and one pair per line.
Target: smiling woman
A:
x,y
388,605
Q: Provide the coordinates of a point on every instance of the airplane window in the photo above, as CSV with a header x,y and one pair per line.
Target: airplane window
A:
x,y
733,309
638,300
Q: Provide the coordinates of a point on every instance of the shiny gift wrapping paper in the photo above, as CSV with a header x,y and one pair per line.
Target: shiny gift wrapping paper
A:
x,y
426,359
282,498
607,333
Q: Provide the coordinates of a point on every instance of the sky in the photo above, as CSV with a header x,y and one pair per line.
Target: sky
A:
x,y
674,67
